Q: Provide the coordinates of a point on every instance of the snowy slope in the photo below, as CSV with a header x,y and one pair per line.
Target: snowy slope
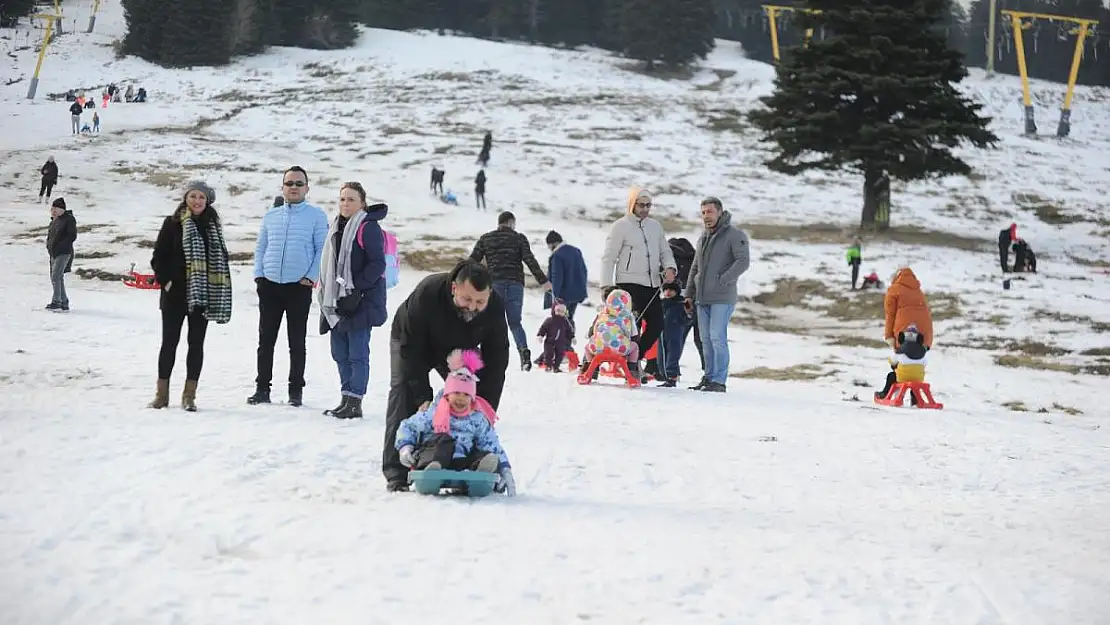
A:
x,y
779,502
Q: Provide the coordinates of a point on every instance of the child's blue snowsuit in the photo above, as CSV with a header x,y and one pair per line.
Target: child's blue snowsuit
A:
x,y
471,433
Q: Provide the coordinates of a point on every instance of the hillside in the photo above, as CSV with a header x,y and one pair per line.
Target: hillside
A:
x,y
781,501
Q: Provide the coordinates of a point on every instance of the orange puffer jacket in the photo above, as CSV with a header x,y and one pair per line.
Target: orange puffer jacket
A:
x,y
905,304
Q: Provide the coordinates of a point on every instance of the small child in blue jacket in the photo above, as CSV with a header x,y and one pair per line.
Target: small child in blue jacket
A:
x,y
456,430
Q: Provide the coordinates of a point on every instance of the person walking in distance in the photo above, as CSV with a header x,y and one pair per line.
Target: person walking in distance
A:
x,y
721,256
75,111
190,262
60,237
480,189
504,251
286,267
49,173
638,259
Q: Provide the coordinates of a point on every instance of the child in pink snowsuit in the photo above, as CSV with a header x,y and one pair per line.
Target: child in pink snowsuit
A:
x,y
614,329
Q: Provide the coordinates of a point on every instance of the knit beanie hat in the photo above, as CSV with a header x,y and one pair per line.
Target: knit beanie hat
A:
x,y
199,185
59,203
553,238
463,364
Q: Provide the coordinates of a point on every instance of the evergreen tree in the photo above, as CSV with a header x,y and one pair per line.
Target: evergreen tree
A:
x,y
690,31
144,29
12,10
195,32
878,96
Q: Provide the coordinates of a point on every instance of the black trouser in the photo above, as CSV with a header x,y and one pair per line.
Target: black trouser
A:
x,y
293,301
172,320
441,448
552,355
479,198
649,307
402,403
46,187
855,272
1004,256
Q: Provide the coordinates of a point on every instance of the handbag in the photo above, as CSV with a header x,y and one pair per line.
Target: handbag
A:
x,y
347,305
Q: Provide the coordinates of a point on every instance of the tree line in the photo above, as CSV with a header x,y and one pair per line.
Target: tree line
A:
x,y
212,32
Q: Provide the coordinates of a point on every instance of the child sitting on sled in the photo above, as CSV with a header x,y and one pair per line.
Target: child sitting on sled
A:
x,y
907,364
456,431
614,329
557,335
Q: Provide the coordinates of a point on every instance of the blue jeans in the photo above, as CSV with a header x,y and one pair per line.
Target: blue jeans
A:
x,y
350,350
713,320
512,294
676,327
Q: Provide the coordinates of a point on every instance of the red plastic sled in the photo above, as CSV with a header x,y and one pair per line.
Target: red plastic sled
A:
x,y
919,391
618,367
141,280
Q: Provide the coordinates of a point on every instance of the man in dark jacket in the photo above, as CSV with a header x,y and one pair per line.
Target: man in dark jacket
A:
x,y
480,189
445,311
1006,236
566,269
75,111
504,250
60,237
49,178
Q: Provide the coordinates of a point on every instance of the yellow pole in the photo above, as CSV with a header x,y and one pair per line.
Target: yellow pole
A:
x,y
1027,98
774,32
92,17
1064,128
42,54
58,12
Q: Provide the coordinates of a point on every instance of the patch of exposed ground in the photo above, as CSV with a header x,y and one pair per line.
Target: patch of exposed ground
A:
x,y
1048,211
795,373
436,258
100,274
93,255
240,257
856,341
840,234
816,296
1019,406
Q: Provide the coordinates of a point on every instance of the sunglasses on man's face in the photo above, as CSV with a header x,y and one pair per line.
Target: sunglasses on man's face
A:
x,y
294,183
643,204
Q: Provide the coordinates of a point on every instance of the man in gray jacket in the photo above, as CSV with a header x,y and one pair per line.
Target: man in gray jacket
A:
x,y
720,258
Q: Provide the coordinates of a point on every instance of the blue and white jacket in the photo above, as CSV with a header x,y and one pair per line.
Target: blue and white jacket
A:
x,y
290,243
470,432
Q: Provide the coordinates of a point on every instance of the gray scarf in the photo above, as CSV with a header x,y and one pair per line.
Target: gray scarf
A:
x,y
335,270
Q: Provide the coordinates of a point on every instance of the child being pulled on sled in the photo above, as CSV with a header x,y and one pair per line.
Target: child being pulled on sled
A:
x,y
557,335
614,328
455,431
907,364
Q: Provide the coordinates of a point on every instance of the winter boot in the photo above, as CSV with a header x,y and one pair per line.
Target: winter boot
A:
x,y
296,395
351,410
342,404
635,371
161,395
189,396
261,396
488,464
700,386
525,359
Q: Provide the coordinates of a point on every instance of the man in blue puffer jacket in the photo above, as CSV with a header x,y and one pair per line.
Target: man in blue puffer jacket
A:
x,y
286,268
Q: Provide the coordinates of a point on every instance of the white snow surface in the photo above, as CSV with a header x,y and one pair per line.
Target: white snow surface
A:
x,y
778,502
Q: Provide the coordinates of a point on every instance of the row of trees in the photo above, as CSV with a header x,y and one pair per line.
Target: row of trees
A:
x,y
1049,46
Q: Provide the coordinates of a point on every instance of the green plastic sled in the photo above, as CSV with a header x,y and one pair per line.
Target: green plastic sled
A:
x,y
471,483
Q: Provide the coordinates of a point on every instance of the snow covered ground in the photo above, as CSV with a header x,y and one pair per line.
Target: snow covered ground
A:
x,y
784,501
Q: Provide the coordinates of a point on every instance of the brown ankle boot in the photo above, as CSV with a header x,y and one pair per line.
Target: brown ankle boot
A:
x,y
189,396
161,395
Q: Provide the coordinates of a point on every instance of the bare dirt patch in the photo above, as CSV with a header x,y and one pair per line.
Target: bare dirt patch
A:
x,y
240,257
840,234
93,255
440,258
815,295
99,274
1021,361
1047,211
1095,326
856,341
795,373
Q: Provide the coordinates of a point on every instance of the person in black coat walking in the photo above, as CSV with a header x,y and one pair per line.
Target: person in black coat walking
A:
x,y
49,178
480,189
60,237
190,263
444,312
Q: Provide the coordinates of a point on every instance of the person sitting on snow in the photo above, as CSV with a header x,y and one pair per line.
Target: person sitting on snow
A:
x,y
907,364
449,198
456,431
557,335
614,329
871,281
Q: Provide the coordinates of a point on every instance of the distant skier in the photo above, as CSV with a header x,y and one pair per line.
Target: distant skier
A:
x,y
480,189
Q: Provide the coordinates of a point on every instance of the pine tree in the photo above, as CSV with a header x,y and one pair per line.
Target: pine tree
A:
x,y
690,33
195,33
144,29
877,96
12,10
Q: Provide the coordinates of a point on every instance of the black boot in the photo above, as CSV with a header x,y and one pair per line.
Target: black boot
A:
x,y
261,396
891,378
525,359
700,385
342,404
296,395
352,410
